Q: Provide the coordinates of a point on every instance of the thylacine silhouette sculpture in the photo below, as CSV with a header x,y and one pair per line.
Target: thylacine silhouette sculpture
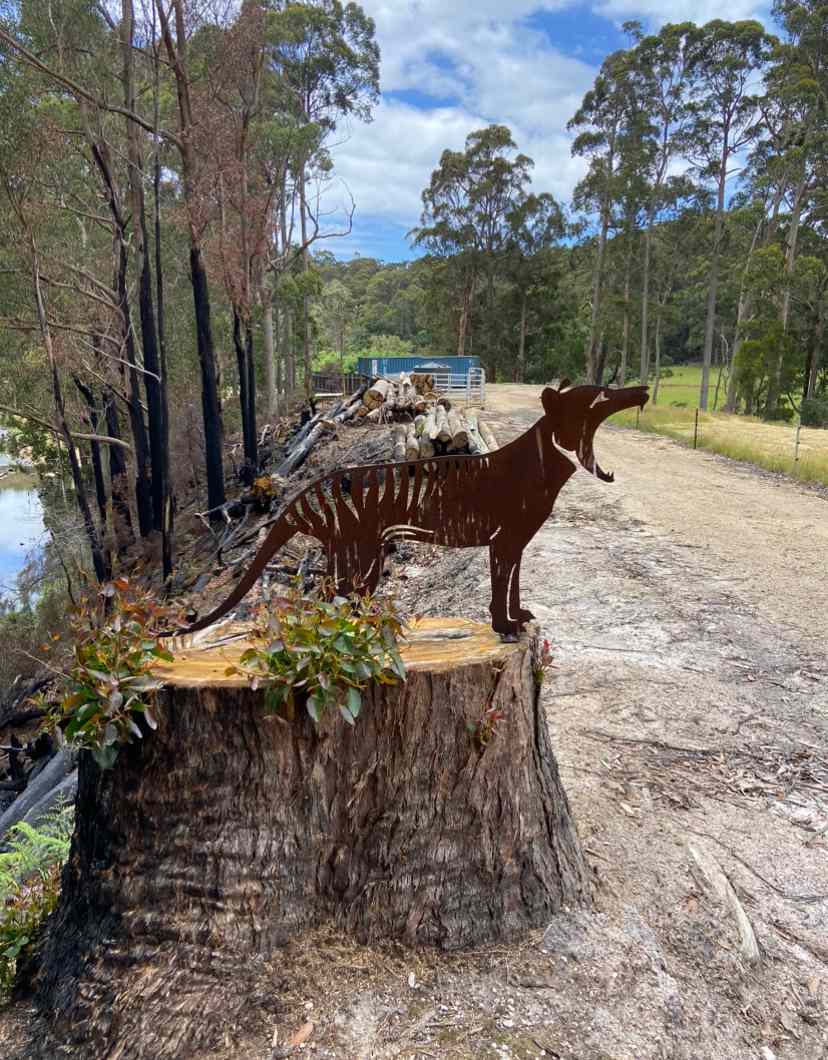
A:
x,y
500,499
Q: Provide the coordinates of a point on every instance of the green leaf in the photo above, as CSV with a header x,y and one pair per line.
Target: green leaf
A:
x,y
150,720
312,707
346,714
354,701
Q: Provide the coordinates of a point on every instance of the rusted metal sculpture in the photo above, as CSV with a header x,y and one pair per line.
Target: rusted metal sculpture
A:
x,y
501,500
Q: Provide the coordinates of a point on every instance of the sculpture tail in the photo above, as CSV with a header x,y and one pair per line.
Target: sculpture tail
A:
x,y
279,535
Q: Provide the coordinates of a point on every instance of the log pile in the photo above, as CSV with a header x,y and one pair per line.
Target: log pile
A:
x,y
440,431
399,399
425,424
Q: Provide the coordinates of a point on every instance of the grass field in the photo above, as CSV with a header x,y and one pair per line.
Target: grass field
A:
x,y
681,389
768,445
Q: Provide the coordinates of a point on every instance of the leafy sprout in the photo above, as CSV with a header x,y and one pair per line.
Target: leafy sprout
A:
x,y
111,681
322,653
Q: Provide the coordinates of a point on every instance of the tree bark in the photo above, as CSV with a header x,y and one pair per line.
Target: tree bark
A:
x,y
520,364
269,350
644,370
224,834
713,281
121,515
168,514
812,357
593,345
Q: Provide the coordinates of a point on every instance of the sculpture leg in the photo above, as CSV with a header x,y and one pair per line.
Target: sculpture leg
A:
x,y
515,610
504,567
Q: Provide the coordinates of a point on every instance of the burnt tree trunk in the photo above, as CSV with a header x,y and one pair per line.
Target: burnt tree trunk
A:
x,y
226,832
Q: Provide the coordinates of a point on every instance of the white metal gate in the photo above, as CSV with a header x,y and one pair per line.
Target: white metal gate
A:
x,y
469,387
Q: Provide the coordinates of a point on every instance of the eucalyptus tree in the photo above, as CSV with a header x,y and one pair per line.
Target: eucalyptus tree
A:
x,y
796,124
602,123
467,210
662,74
328,58
727,63
536,225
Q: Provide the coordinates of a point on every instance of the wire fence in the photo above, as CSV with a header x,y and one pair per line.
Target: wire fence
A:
x,y
785,447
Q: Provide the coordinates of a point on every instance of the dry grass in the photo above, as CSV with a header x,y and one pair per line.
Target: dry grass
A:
x,y
768,445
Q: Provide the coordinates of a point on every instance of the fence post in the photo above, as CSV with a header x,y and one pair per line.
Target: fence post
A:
x,y
796,447
696,430
637,417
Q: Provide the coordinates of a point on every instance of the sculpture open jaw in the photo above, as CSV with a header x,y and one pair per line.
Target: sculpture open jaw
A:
x,y
609,402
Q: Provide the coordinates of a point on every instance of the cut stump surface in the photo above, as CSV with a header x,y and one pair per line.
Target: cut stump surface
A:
x,y
226,832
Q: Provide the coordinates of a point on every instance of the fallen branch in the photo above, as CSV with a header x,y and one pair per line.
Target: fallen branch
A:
x,y
787,895
722,887
103,438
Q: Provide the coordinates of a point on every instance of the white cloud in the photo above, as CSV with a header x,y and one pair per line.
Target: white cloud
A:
x,y
473,63
491,68
658,12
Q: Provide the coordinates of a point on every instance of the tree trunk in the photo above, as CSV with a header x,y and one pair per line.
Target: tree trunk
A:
x,y
775,381
88,396
243,342
593,344
812,358
140,441
210,404
153,383
625,341
713,285
224,834
657,379
600,359
465,314
644,371
168,514
99,559
121,515
520,366
269,351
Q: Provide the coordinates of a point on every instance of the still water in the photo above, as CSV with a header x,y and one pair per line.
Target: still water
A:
x,y
21,525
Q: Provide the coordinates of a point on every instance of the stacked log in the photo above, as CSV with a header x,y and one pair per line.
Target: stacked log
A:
x,y
426,425
401,398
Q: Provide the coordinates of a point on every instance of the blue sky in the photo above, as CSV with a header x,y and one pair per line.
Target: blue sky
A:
x,y
448,68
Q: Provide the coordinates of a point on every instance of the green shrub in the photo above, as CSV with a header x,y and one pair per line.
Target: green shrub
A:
x,y
111,681
30,885
814,412
322,653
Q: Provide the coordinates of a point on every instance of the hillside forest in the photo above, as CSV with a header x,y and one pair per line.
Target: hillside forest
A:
x,y
172,272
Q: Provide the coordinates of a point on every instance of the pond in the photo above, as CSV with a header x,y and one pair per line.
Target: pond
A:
x,y
21,525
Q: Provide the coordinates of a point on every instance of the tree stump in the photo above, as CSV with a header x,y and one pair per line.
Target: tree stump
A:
x,y
227,832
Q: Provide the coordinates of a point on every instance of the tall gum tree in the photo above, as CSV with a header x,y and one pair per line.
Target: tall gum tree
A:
x,y
727,62
467,207
599,124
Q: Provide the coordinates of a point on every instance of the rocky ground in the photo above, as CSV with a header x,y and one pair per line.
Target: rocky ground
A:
x,y
687,606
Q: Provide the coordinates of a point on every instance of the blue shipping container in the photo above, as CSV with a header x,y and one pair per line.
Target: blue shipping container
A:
x,y
390,366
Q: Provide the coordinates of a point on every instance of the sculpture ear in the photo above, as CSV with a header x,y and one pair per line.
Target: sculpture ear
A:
x,y
550,399
564,383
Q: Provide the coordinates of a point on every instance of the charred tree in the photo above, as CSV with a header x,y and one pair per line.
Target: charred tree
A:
x,y
88,396
122,517
439,820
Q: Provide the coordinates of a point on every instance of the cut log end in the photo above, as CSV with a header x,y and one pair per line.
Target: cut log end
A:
x,y
440,819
